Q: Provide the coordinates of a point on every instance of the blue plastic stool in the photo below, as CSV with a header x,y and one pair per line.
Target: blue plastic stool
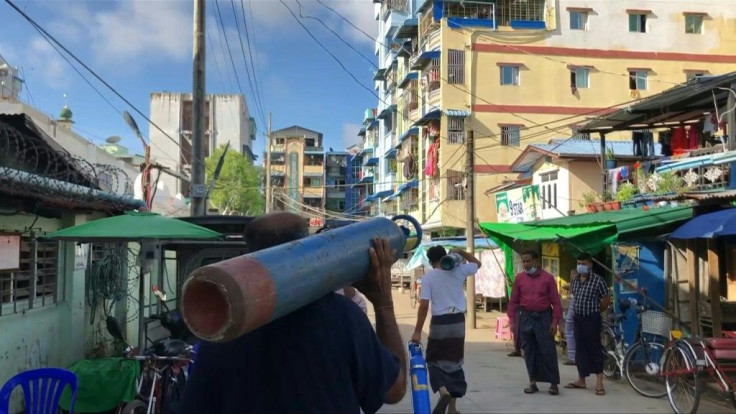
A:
x,y
42,389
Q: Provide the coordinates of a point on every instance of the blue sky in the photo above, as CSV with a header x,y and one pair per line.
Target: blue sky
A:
x,y
142,46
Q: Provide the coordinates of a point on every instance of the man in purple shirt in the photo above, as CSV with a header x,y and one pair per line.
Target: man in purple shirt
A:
x,y
535,308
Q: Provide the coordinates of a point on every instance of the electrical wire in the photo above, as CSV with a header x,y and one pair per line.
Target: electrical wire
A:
x,y
259,108
105,284
227,44
257,92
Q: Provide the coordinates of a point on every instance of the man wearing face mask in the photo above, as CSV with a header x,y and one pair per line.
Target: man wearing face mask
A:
x,y
591,298
535,310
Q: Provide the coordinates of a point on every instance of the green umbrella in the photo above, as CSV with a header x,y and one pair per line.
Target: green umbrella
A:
x,y
135,226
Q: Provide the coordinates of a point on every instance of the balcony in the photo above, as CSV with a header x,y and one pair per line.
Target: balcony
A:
x,y
389,6
277,148
314,149
527,14
429,33
470,13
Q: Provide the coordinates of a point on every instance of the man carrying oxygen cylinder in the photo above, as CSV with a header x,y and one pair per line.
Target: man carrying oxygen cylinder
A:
x,y
443,286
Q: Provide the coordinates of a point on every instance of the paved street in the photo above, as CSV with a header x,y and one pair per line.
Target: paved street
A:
x,y
496,382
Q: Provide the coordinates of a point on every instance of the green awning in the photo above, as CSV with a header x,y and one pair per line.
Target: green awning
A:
x,y
592,238
627,221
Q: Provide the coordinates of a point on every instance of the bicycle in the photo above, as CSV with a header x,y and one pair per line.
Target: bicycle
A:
x,y
685,362
641,362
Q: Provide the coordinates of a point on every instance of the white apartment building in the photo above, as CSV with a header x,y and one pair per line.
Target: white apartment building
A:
x,y
227,119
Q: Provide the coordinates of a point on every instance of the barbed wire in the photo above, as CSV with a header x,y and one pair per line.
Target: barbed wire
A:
x,y
32,167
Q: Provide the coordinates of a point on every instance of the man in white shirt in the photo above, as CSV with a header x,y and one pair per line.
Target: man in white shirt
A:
x,y
446,343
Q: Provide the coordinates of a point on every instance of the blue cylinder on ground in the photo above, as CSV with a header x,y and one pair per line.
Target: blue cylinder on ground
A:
x,y
419,380
225,300
450,261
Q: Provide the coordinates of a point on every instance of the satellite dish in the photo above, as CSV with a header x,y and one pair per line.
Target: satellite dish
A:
x,y
113,139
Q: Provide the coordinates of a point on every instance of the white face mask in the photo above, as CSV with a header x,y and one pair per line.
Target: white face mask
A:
x,y
583,269
531,270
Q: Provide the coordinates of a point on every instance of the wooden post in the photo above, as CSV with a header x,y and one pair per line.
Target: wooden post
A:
x,y
714,280
604,173
693,286
470,223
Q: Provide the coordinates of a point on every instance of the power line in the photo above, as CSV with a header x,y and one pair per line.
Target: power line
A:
x,y
245,62
227,43
259,96
336,35
98,77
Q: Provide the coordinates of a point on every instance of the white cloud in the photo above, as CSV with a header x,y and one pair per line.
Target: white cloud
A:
x,y
42,60
350,134
129,31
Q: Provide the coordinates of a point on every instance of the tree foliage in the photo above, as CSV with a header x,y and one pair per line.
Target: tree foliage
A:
x,y
238,188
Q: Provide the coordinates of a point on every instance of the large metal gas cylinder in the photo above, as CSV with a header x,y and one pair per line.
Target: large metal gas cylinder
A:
x,y
225,300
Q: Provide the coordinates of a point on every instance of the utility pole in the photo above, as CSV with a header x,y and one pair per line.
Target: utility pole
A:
x,y
470,223
198,196
269,190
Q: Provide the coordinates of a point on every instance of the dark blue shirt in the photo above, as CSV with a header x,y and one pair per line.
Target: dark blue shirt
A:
x,y
322,358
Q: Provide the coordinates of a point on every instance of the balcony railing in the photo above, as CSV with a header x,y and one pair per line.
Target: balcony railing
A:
x,y
410,98
388,6
508,11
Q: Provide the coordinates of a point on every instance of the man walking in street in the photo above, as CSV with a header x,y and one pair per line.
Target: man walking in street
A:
x,y
591,297
446,343
536,309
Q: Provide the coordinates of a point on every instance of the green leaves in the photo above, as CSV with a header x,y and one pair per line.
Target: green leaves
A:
x,y
238,188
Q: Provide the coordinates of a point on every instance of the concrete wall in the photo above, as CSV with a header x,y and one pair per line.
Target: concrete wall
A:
x,y
50,336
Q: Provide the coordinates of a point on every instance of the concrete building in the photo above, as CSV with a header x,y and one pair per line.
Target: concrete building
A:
x,y
515,73
297,169
227,119
336,172
11,83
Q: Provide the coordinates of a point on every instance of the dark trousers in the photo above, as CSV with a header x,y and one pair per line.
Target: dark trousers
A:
x,y
517,335
589,350
540,351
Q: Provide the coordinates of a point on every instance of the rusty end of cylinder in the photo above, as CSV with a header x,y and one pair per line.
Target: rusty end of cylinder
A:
x,y
206,309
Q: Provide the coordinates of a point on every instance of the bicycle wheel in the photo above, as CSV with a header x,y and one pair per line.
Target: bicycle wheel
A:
x,y
135,407
642,367
682,380
610,364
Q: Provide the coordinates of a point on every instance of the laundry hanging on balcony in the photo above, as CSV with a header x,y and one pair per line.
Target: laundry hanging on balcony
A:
x,y
432,157
410,166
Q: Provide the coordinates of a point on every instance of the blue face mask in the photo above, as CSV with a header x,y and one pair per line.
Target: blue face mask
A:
x,y
583,269
532,270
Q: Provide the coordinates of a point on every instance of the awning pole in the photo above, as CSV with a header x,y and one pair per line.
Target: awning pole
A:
x,y
603,162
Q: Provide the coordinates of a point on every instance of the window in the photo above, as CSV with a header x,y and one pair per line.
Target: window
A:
x,y
637,23
455,187
578,20
694,23
509,75
638,80
280,141
456,66
692,75
511,135
312,182
549,190
455,130
21,289
579,78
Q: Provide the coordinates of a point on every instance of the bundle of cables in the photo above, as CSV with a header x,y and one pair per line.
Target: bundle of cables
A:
x,y
107,279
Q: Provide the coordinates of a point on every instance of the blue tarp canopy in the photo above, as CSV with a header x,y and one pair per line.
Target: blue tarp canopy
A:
x,y
706,226
426,57
409,28
391,154
370,162
409,76
420,255
429,116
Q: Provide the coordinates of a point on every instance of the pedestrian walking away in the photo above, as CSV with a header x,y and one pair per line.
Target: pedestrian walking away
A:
x,y
536,309
446,343
591,298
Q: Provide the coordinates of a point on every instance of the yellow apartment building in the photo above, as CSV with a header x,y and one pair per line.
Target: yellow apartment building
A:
x,y
520,72
297,169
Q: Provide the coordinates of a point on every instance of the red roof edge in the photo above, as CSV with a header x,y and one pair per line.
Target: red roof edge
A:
x,y
493,168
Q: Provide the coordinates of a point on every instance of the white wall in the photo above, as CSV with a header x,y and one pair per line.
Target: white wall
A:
x,y
563,189
608,26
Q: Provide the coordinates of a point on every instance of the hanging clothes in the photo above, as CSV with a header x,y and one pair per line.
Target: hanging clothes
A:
x,y
410,166
431,169
709,123
679,141
693,137
636,138
665,142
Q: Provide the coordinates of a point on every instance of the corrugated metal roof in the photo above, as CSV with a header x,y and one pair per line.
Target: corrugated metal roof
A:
x,y
572,147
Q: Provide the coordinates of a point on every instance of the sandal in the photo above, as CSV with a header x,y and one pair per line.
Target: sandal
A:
x,y
531,389
442,404
514,354
553,390
568,362
574,386
600,392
